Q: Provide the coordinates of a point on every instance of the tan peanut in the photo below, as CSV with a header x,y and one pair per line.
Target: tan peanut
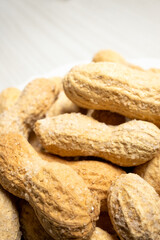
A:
x,y
128,144
107,117
9,217
112,56
108,56
8,97
97,175
32,104
115,87
61,200
134,208
62,105
150,172
32,229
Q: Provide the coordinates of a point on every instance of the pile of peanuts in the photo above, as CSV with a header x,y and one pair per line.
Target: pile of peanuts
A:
x,y
80,155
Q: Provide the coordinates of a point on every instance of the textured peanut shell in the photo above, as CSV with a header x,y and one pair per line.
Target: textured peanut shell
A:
x,y
112,56
60,198
30,225
134,208
8,97
62,105
150,172
115,87
31,105
97,175
9,217
108,56
107,117
32,229
128,144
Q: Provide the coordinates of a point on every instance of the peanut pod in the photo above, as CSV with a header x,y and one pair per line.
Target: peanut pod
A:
x,y
112,56
128,144
32,229
61,200
31,105
134,208
115,87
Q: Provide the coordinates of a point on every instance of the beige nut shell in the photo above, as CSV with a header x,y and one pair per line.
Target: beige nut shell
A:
x,y
31,105
108,56
112,56
32,229
128,144
134,208
115,87
63,203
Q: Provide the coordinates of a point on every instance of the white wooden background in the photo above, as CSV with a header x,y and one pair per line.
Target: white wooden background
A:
x,y
37,36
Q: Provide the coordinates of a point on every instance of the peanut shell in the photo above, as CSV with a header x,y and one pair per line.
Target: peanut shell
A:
x,y
31,105
128,144
60,198
115,87
134,208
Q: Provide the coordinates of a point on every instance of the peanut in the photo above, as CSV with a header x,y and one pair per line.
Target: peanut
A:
x,y
112,56
32,104
150,172
97,175
115,87
107,117
128,144
32,229
8,97
9,219
134,208
62,202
